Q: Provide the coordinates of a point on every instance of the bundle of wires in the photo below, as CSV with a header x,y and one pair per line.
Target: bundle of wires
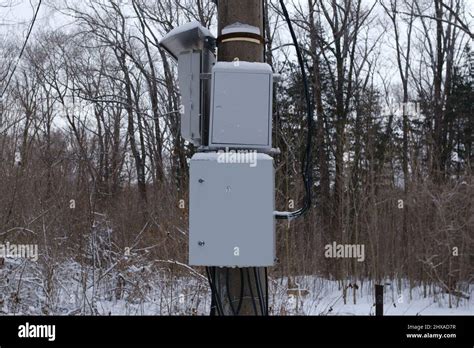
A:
x,y
259,302
307,162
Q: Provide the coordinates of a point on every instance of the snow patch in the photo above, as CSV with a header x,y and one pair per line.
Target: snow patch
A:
x,y
240,28
187,27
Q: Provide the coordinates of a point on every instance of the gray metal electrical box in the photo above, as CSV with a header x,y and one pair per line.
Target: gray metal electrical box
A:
x,y
241,105
192,46
231,211
194,93
189,72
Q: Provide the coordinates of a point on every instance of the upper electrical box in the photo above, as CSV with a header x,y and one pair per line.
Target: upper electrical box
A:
x,y
241,106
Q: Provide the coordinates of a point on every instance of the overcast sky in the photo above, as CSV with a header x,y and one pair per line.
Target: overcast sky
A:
x,y
20,12
16,15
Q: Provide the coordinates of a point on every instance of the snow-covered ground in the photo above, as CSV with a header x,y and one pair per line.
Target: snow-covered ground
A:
x,y
67,288
324,297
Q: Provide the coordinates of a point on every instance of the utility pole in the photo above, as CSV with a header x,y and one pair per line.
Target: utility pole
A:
x,y
231,283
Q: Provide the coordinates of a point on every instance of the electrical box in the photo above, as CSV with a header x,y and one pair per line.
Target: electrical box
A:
x,y
192,46
226,105
241,105
194,93
231,210
189,71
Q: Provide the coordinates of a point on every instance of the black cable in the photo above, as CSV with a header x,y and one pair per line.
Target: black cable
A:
x,y
264,33
213,306
264,299
259,291
241,300
218,303
217,293
266,291
307,163
251,293
213,299
232,308
22,49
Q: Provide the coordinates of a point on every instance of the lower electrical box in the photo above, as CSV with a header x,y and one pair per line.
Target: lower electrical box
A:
x,y
231,210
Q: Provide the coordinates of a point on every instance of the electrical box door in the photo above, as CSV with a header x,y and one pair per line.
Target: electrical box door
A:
x,y
189,71
241,105
231,211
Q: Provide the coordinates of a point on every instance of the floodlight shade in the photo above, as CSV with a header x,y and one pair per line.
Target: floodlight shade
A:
x,y
187,37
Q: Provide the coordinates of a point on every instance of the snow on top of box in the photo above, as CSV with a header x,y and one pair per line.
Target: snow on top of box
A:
x,y
186,27
214,156
240,28
236,65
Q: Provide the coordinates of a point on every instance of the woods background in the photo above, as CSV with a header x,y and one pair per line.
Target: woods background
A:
x,y
93,168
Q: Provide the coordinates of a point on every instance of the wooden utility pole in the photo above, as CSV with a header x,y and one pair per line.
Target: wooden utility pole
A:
x,y
249,12
232,283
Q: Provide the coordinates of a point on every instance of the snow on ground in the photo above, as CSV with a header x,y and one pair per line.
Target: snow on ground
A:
x,y
68,288
325,298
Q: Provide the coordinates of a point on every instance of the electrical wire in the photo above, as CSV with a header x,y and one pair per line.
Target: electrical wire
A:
x,y
241,299
258,285
211,273
22,49
307,163
213,306
231,304
266,290
217,293
216,302
264,33
257,288
251,292
213,298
